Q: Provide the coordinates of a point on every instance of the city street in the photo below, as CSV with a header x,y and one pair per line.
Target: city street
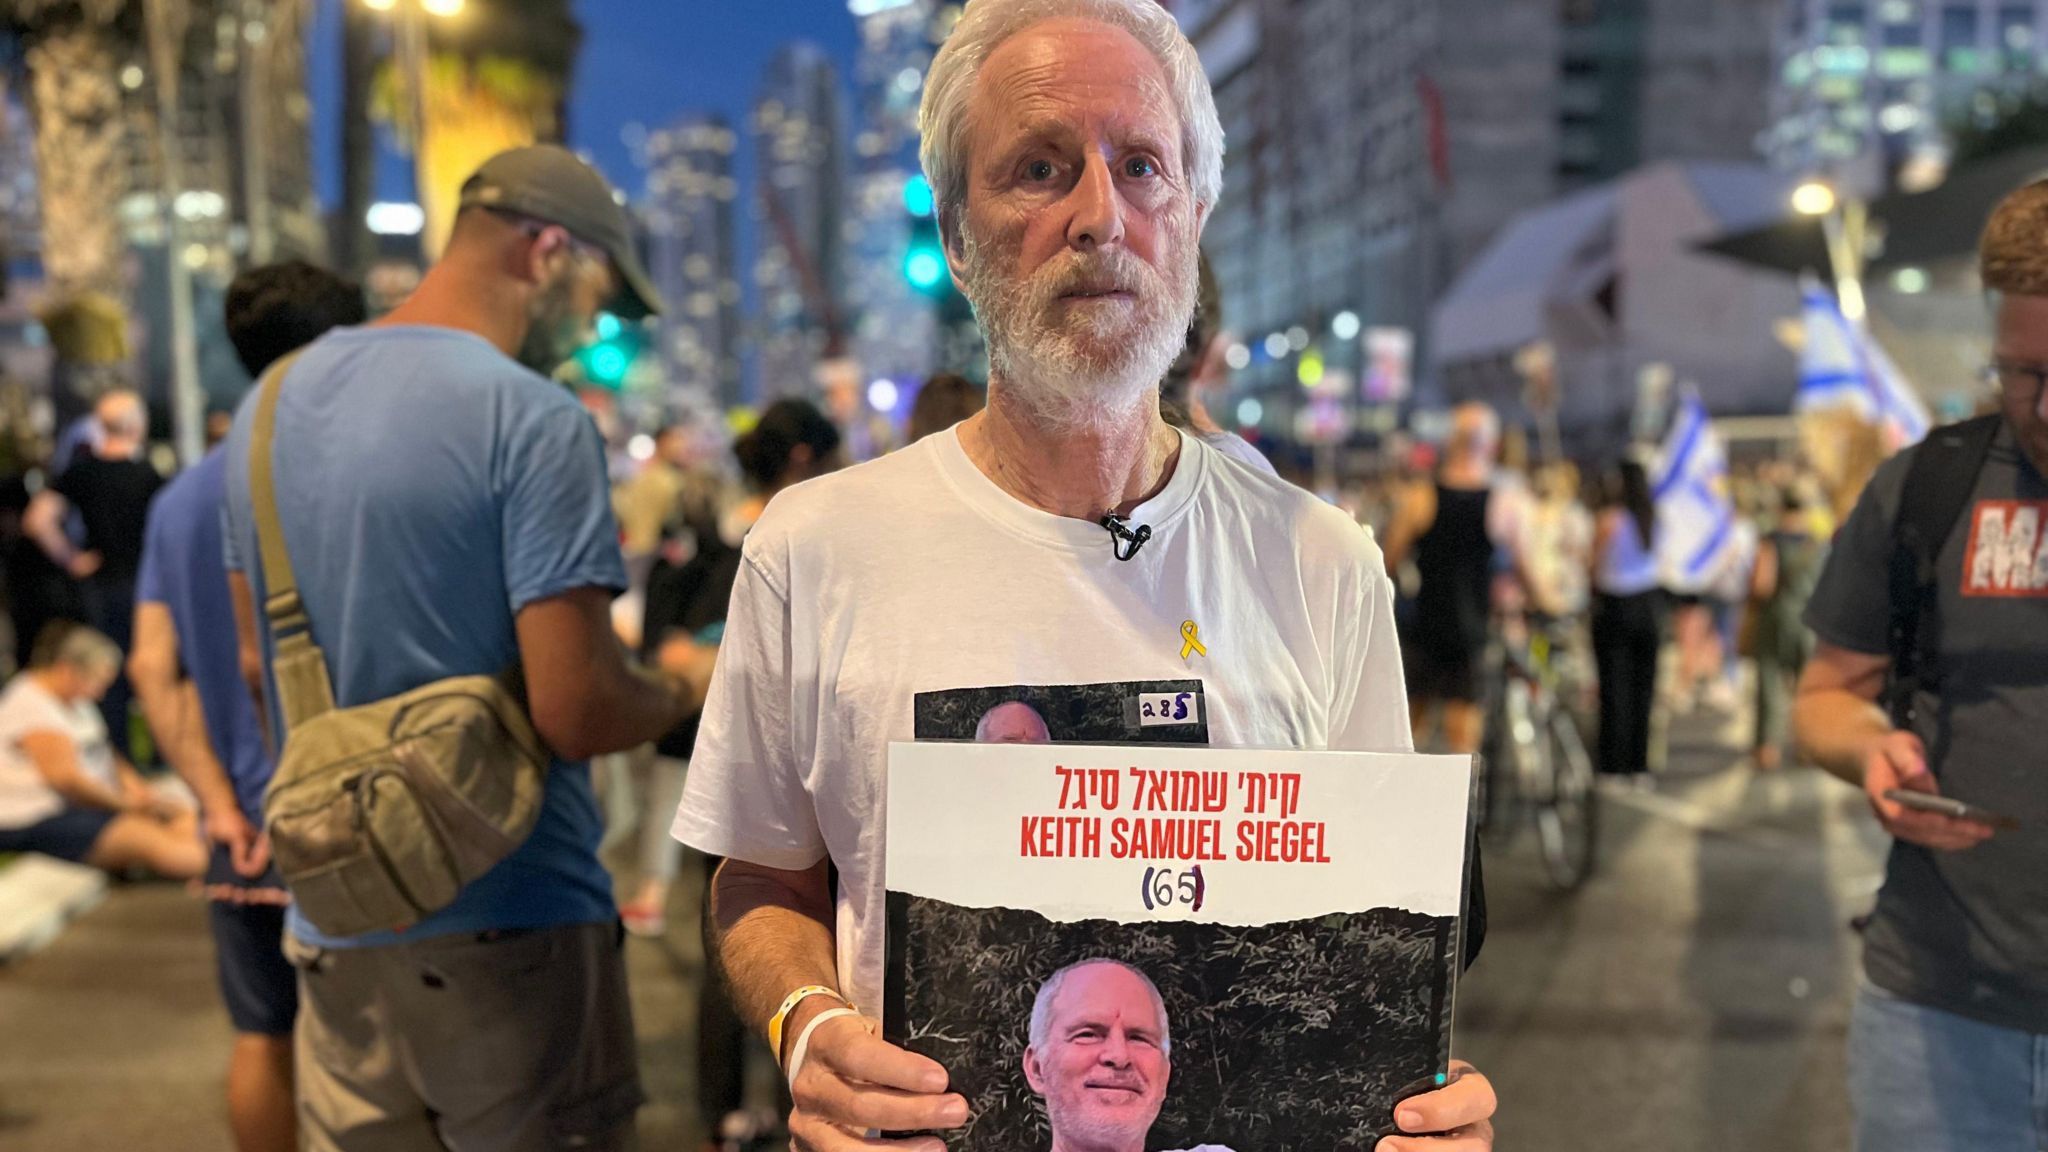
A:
x,y
1693,996
840,332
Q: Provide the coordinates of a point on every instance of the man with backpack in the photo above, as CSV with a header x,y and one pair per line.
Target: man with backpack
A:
x,y
1930,679
420,542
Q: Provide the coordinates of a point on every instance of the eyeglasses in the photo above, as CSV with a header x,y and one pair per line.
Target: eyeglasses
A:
x,y
2014,376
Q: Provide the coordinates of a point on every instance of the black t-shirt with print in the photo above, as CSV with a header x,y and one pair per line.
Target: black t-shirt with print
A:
x,y
1965,932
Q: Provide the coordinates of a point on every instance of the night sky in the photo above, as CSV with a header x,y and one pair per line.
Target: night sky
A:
x,y
644,62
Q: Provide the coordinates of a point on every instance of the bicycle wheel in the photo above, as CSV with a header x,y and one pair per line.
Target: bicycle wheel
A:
x,y
1514,756
1495,753
1567,825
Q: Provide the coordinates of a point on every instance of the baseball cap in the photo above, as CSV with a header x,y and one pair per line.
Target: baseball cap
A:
x,y
548,183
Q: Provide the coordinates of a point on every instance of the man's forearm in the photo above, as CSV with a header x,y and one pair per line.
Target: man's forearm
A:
x,y
1837,730
649,706
51,539
772,937
191,753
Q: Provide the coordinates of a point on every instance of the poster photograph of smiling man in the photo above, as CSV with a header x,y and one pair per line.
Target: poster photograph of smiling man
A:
x,y
1140,945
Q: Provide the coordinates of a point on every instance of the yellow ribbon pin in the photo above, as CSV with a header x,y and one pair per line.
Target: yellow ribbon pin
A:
x,y
1191,640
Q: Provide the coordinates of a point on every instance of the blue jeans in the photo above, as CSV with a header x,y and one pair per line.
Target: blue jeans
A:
x,y
1924,1080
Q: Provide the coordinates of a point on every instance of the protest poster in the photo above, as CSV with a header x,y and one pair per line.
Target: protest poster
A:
x,y
1159,945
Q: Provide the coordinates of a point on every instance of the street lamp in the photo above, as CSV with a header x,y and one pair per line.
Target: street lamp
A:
x,y
410,28
1812,198
165,27
1843,221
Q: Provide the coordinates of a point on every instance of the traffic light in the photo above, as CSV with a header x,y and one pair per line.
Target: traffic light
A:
x,y
924,261
917,198
608,359
925,267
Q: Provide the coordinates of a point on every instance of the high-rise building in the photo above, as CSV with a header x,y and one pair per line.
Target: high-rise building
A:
x,y
1544,97
691,199
1492,73
800,169
1705,79
1326,187
1374,149
1867,87
895,327
1642,81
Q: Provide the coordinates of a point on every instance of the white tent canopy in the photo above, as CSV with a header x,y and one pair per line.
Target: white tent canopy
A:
x,y
1611,277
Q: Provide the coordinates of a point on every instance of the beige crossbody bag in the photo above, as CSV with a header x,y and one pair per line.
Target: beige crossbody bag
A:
x,y
380,814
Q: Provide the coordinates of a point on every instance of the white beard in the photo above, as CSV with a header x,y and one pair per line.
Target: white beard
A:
x,y
1104,363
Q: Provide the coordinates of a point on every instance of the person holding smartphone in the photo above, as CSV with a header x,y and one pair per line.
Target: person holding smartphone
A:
x,y
1930,677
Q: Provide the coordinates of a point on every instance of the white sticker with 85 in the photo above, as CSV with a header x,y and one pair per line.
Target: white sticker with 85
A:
x,y
1161,709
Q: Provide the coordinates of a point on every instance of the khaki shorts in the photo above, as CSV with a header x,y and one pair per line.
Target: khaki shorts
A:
x,y
517,1041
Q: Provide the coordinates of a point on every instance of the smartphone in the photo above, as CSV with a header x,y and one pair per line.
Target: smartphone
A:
x,y
1949,806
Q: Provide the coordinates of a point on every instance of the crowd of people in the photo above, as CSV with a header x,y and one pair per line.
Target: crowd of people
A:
x,y
411,505
1483,552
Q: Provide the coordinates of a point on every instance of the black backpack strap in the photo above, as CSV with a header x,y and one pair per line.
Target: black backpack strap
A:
x,y
1938,485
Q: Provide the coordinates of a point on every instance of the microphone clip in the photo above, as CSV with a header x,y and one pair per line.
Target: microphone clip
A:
x,y
1123,542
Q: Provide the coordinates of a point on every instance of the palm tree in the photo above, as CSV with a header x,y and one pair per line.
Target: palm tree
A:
x,y
498,78
75,51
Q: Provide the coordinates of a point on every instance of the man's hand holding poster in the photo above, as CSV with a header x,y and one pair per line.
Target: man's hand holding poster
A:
x,y
1148,947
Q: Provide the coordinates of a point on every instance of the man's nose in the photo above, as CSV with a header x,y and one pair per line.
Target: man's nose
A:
x,y
1098,217
1116,1050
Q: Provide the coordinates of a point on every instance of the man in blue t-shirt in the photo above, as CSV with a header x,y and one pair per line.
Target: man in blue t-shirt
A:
x,y
447,514
186,670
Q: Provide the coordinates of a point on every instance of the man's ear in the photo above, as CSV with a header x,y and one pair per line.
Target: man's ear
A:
x,y
541,254
950,236
1033,1074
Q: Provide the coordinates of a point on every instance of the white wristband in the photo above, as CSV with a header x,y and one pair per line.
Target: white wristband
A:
x,y
803,1039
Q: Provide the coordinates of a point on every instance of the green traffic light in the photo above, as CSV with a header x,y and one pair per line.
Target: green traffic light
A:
x,y
917,197
924,268
608,363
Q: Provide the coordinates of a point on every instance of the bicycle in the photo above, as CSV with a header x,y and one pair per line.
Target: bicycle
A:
x,y
1534,741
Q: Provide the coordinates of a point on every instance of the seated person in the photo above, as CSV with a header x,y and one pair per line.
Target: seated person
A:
x,y
64,791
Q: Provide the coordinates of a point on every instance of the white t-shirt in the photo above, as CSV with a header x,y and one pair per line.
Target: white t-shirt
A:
x,y
916,573
1239,449
26,707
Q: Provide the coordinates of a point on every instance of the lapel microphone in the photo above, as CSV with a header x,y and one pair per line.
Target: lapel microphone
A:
x,y
1124,543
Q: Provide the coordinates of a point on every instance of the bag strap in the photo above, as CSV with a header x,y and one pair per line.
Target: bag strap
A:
x,y
1938,485
291,631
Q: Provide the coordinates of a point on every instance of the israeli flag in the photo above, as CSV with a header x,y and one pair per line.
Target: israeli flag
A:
x,y
1842,366
1695,514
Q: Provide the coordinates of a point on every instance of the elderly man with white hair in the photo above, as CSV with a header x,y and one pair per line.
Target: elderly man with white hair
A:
x,y
109,486
1100,1056
1064,535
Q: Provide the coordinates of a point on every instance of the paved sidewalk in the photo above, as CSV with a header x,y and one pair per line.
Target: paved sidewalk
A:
x,y
1693,996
